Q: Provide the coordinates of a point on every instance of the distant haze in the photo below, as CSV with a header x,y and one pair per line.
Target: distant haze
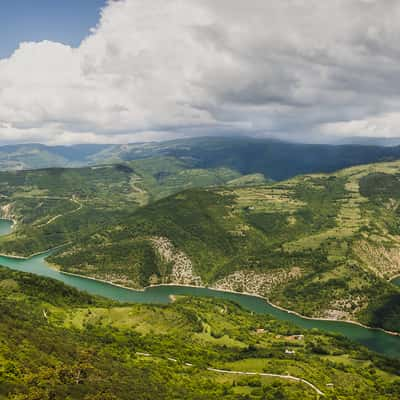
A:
x,y
272,158
306,71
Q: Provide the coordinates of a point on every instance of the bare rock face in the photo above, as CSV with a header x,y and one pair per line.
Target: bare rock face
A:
x,y
182,268
344,309
7,211
255,282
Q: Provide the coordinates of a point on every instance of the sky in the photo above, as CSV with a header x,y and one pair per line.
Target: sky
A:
x,y
136,70
62,21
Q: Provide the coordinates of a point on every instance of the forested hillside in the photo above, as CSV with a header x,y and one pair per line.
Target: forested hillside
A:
x,y
55,206
58,343
323,245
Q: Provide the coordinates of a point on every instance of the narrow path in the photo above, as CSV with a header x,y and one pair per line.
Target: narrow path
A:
x,y
74,200
288,377
247,373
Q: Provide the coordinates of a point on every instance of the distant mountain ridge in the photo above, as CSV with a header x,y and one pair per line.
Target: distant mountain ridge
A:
x,y
37,156
275,159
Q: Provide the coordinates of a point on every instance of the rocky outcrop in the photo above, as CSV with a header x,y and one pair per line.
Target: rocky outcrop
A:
x,y
182,268
260,283
7,212
344,309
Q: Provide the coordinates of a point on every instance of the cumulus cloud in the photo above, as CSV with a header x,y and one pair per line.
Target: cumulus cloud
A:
x,y
154,69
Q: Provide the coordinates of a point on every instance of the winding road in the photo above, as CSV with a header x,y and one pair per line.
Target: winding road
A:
x,y
265,374
248,373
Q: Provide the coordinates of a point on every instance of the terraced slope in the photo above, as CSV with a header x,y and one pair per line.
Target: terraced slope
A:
x,y
58,343
322,245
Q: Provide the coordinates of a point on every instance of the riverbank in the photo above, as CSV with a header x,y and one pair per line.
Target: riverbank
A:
x,y
54,267
375,339
39,253
13,221
394,278
57,268
282,308
236,293
15,257
7,225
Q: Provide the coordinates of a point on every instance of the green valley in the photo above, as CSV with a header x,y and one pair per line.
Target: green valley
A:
x,y
322,245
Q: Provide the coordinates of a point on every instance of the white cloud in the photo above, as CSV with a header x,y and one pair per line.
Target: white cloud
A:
x,y
385,125
156,69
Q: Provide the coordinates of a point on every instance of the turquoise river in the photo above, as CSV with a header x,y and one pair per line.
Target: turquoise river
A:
x,y
376,340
